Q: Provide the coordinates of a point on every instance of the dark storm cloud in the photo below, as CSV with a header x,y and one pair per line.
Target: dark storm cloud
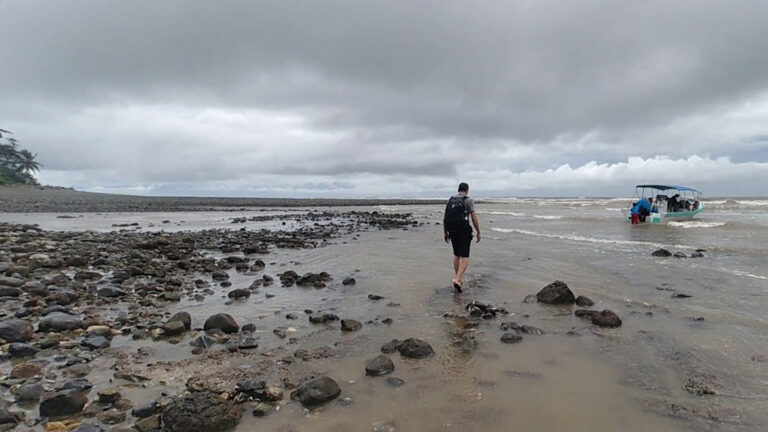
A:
x,y
198,92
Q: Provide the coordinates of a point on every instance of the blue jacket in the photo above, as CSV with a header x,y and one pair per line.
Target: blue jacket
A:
x,y
641,203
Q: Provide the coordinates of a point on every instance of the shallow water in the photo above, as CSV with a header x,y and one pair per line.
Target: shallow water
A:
x,y
632,378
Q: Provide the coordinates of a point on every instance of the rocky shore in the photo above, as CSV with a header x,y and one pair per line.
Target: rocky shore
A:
x,y
32,199
66,297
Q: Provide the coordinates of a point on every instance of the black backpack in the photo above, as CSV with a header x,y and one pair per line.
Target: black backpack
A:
x,y
456,215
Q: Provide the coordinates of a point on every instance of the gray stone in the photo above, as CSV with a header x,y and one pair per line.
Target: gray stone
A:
x,y
379,365
63,403
20,349
223,322
184,317
606,318
556,293
200,411
111,292
317,392
174,328
511,337
415,348
16,330
349,325
95,342
59,321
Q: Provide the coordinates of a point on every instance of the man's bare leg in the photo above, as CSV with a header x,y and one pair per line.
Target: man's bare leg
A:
x,y
455,266
463,264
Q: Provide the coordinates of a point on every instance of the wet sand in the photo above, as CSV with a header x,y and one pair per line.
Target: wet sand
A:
x,y
676,363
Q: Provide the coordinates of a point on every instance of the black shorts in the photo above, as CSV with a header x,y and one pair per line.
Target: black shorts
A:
x,y
461,242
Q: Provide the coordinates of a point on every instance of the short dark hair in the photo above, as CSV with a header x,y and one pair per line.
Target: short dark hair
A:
x,y
463,187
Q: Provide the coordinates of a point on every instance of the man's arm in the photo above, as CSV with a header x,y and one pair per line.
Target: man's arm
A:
x,y
476,224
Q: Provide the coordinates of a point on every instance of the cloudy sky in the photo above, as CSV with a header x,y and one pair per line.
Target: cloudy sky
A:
x,y
388,98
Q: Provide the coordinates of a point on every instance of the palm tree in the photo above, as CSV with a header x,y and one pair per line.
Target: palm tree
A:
x,y
27,162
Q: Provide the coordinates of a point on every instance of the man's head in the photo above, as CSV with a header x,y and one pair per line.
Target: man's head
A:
x,y
650,200
463,187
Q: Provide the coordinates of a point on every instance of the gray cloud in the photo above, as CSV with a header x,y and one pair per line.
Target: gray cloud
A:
x,y
201,95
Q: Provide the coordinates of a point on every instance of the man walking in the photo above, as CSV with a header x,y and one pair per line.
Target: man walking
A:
x,y
458,212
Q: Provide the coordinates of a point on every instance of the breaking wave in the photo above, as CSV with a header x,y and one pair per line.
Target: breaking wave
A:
x,y
696,224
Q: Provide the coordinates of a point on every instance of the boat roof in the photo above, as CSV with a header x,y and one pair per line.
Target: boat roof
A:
x,y
667,187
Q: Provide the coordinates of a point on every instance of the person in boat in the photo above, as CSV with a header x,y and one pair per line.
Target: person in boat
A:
x,y
654,207
640,210
673,203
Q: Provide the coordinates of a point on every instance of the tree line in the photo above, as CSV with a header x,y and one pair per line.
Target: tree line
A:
x,y
17,165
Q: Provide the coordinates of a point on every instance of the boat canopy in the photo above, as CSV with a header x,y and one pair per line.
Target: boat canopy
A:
x,y
667,187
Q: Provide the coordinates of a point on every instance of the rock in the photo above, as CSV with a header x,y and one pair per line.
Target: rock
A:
x,y
510,338
16,330
348,281
183,317
59,321
145,410
148,424
220,275
349,325
585,313
95,342
112,416
63,403
28,392
20,349
521,328
680,255
391,346
99,330
11,281
202,342
681,296
239,293
174,328
323,318
87,427
606,318
109,396
661,253
262,409
25,370
223,322
317,392
584,301
248,341
111,292
80,384
87,276
395,381
6,416
379,365
375,297
259,390
415,348
697,254
556,293
10,291
200,411
530,298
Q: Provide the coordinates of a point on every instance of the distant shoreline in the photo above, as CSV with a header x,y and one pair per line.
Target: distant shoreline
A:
x,y
46,199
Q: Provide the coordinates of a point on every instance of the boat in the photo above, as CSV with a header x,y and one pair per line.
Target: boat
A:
x,y
663,209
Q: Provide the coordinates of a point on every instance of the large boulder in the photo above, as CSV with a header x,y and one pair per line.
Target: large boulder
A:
x,y
556,293
59,321
415,348
63,403
200,411
184,317
223,322
317,392
379,365
661,253
16,330
606,318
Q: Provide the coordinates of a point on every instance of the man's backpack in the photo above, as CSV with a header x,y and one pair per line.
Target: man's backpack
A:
x,y
456,215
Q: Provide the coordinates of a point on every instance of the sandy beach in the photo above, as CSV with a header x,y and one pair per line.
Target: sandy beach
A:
x,y
126,307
